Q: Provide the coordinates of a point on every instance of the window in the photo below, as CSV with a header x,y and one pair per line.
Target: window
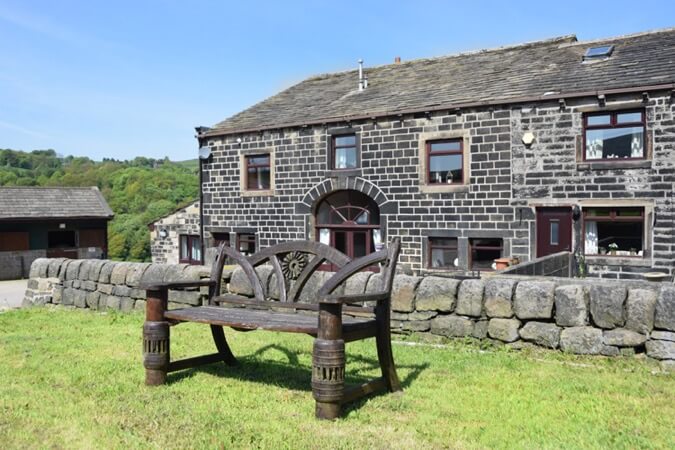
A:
x,y
219,238
614,136
484,252
442,253
445,162
602,52
258,172
61,239
614,231
190,249
344,152
246,243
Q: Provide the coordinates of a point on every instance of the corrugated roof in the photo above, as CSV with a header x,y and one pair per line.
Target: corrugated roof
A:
x,y
490,76
20,203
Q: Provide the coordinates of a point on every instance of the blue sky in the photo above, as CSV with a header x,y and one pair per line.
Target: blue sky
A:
x,y
132,78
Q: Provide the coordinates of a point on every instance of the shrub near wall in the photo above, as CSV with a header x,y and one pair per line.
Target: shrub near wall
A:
x,y
104,284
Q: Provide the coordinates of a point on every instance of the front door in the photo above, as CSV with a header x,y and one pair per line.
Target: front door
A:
x,y
554,230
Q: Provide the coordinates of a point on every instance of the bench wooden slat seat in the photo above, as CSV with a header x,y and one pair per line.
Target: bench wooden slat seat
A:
x,y
251,319
292,265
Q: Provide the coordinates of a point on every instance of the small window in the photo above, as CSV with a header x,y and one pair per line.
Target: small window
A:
x,y
614,231
219,238
554,232
190,249
445,162
443,253
344,152
257,172
614,136
484,252
246,243
601,52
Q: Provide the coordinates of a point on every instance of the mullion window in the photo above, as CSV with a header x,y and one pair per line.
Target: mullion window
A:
x,y
484,251
442,253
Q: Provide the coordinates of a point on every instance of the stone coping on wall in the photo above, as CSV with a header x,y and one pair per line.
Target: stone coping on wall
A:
x,y
582,316
105,284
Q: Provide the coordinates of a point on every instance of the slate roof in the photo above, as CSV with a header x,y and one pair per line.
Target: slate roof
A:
x,y
21,203
502,75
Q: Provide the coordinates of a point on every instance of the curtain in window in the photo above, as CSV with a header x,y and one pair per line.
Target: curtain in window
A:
x,y
591,244
324,236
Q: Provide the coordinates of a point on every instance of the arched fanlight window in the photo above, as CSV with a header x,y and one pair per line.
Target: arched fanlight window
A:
x,y
349,221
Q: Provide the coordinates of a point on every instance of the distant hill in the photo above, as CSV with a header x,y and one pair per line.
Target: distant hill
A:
x,y
138,191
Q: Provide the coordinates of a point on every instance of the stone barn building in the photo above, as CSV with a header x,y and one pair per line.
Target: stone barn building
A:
x,y
520,151
52,222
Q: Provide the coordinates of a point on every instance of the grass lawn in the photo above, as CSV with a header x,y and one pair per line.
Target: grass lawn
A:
x,y
73,378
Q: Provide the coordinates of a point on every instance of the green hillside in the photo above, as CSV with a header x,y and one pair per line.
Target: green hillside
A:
x,y
138,191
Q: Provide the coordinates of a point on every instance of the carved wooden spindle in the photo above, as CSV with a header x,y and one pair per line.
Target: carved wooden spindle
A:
x,y
156,338
328,363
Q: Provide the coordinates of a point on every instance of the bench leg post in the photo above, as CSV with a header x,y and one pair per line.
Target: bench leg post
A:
x,y
328,363
156,339
384,353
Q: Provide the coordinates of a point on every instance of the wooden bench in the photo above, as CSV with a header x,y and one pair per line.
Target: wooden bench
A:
x,y
292,265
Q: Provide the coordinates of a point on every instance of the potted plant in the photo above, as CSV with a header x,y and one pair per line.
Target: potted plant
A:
x,y
602,250
633,251
613,247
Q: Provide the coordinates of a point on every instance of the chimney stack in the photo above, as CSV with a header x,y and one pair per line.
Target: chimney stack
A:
x,y
397,60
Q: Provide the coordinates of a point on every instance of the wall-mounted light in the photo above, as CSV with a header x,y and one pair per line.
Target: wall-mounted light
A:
x,y
163,233
62,226
528,138
576,213
602,100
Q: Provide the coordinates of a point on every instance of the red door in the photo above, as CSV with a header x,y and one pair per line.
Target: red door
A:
x,y
554,230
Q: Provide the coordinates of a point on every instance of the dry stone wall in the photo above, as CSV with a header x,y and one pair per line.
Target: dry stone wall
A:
x,y
104,284
597,317
575,315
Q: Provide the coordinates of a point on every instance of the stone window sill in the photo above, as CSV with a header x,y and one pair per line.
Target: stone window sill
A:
x,y
261,193
618,261
440,188
609,165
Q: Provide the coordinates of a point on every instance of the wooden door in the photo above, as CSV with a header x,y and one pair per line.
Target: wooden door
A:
x,y
554,230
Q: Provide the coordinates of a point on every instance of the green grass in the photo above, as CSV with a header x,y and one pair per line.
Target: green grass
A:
x,y
74,379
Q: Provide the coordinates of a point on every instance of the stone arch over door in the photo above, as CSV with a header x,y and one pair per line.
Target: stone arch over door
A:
x,y
328,186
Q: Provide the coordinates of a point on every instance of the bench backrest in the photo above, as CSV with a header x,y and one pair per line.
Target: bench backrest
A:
x,y
293,263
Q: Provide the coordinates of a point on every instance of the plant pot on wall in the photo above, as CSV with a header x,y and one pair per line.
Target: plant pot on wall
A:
x,y
502,263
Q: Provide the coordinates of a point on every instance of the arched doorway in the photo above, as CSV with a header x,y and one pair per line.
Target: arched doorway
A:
x,y
350,222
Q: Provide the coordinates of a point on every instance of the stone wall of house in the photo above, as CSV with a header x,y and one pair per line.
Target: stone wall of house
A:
x,y
508,180
165,250
552,172
613,317
104,284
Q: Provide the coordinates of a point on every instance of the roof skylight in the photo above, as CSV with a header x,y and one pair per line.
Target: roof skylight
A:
x,y
595,53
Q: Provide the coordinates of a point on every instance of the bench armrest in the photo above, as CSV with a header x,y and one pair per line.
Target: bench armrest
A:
x,y
176,284
354,298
